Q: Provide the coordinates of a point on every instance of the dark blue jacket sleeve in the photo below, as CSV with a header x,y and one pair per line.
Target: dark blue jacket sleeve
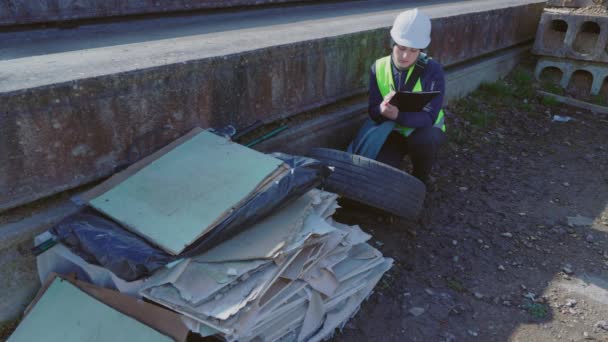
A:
x,y
375,98
433,81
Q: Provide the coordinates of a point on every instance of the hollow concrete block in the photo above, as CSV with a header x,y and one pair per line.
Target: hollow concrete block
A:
x,y
598,71
563,33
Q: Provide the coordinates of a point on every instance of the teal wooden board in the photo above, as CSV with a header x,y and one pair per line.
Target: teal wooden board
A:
x,y
65,313
177,197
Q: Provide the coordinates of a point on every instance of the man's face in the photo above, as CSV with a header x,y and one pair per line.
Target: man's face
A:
x,y
404,56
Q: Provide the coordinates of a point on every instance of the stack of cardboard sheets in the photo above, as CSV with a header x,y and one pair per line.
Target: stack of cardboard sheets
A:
x,y
182,192
296,275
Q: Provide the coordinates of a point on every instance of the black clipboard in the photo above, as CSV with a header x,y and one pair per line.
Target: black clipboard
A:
x,y
407,101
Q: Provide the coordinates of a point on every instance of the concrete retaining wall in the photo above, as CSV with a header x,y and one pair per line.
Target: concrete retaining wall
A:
x,y
58,136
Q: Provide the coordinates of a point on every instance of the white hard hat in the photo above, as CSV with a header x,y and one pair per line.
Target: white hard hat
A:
x,y
412,28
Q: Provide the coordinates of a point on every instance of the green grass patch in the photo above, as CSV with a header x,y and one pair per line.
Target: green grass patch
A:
x,y
456,285
599,100
553,88
524,107
468,108
523,82
549,101
536,310
496,89
522,78
456,135
7,328
480,119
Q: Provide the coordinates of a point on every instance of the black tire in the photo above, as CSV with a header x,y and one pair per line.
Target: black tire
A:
x,y
372,183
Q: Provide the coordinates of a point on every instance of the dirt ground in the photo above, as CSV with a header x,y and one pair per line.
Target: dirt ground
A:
x,y
513,242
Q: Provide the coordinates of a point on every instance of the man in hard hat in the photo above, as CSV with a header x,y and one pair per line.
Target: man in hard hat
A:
x,y
395,134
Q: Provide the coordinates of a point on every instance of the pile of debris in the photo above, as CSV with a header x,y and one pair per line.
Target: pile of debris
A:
x,y
237,244
296,275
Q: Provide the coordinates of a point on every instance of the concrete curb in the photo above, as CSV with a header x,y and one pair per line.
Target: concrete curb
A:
x,y
577,103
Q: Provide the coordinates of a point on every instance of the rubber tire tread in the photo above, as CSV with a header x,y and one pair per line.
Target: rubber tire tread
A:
x,y
372,183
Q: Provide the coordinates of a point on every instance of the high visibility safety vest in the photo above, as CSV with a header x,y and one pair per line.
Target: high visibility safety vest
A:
x,y
384,78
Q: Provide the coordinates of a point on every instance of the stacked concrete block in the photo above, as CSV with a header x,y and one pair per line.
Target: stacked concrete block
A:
x,y
574,41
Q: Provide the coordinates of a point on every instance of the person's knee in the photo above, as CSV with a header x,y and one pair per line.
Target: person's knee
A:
x,y
424,136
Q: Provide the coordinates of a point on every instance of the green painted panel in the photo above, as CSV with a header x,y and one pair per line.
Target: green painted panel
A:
x,y
177,197
65,313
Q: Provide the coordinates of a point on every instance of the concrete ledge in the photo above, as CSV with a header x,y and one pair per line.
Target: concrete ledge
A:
x,y
69,117
22,231
21,12
464,79
577,103
333,130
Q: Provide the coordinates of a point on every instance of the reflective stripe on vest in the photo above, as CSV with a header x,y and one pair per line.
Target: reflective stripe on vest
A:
x,y
384,78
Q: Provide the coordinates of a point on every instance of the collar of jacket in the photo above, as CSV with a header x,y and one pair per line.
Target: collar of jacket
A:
x,y
396,72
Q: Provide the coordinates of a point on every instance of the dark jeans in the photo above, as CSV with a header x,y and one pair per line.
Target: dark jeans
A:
x,y
422,146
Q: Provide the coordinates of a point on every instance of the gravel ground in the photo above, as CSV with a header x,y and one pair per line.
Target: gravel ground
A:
x,y
512,244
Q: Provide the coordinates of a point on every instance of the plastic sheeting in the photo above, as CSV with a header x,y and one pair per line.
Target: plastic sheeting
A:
x,y
305,174
102,242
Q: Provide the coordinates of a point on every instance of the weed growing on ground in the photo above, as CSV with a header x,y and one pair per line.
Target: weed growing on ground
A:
x,y
549,101
7,328
524,106
552,88
524,83
495,94
457,135
497,90
517,90
599,100
536,310
456,285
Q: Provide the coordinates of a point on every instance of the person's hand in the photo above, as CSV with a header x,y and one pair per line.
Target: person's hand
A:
x,y
388,110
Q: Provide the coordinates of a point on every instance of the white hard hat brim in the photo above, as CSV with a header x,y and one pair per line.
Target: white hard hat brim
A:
x,y
416,44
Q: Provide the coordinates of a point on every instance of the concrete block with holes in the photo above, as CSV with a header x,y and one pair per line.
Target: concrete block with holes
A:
x,y
573,44
567,33
574,73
